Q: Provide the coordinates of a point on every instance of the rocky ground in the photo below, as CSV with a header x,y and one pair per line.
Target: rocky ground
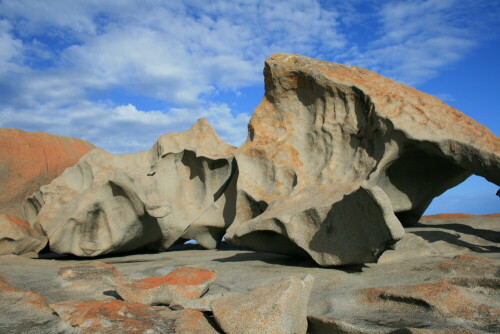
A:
x,y
442,277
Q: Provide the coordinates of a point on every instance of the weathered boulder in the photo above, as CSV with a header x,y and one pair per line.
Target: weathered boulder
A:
x,y
181,189
277,309
18,237
29,160
181,283
115,316
337,156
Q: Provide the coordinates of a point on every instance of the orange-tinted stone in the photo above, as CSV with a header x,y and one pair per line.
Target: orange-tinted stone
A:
x,y
179,276
116,316
29,160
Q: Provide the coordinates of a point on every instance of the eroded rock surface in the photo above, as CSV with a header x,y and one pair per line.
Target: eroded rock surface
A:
x,y
338,156
180,189
29,160
18,237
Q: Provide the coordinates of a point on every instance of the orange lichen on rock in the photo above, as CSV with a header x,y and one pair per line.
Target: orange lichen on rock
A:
x,y
179,276
181,283
29,160
115,316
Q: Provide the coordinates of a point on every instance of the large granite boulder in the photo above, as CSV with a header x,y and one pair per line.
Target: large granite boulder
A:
x,y
337,157
181,189
29,160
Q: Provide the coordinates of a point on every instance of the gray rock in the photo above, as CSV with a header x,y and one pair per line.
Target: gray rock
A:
x,y
27,312
277,309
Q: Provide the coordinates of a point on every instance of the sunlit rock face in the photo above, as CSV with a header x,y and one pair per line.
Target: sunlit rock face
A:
x,y
338,158
181,189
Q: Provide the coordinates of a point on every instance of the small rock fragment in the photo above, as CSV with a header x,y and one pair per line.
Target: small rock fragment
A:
x,y
277,309
181,283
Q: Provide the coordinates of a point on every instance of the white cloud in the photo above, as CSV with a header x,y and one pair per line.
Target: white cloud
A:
x,y
181,53
124,128
61,61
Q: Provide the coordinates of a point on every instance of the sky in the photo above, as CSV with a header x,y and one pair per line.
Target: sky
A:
x,y
122,73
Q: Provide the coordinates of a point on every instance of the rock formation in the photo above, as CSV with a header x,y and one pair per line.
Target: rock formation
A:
x,y
29,160
337,160
181,189
337,156
18,237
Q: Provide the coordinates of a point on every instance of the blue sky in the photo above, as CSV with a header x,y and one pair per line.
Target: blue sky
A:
x,y
122,73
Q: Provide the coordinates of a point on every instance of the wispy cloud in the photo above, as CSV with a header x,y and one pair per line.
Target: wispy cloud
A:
x,y
417,39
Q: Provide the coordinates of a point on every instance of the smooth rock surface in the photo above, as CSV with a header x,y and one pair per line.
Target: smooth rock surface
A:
x,y
18,237
280,308
29,160
181,189
337,156
181,283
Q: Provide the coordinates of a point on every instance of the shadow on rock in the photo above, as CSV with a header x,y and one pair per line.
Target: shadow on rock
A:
x,y
433,236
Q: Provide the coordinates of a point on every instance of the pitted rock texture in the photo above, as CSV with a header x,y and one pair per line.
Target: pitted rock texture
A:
x,y
338,156
181,189
181,283
29,160
115,316
277,309
18,237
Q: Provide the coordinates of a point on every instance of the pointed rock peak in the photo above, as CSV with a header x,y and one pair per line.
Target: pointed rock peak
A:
x,y
201,138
